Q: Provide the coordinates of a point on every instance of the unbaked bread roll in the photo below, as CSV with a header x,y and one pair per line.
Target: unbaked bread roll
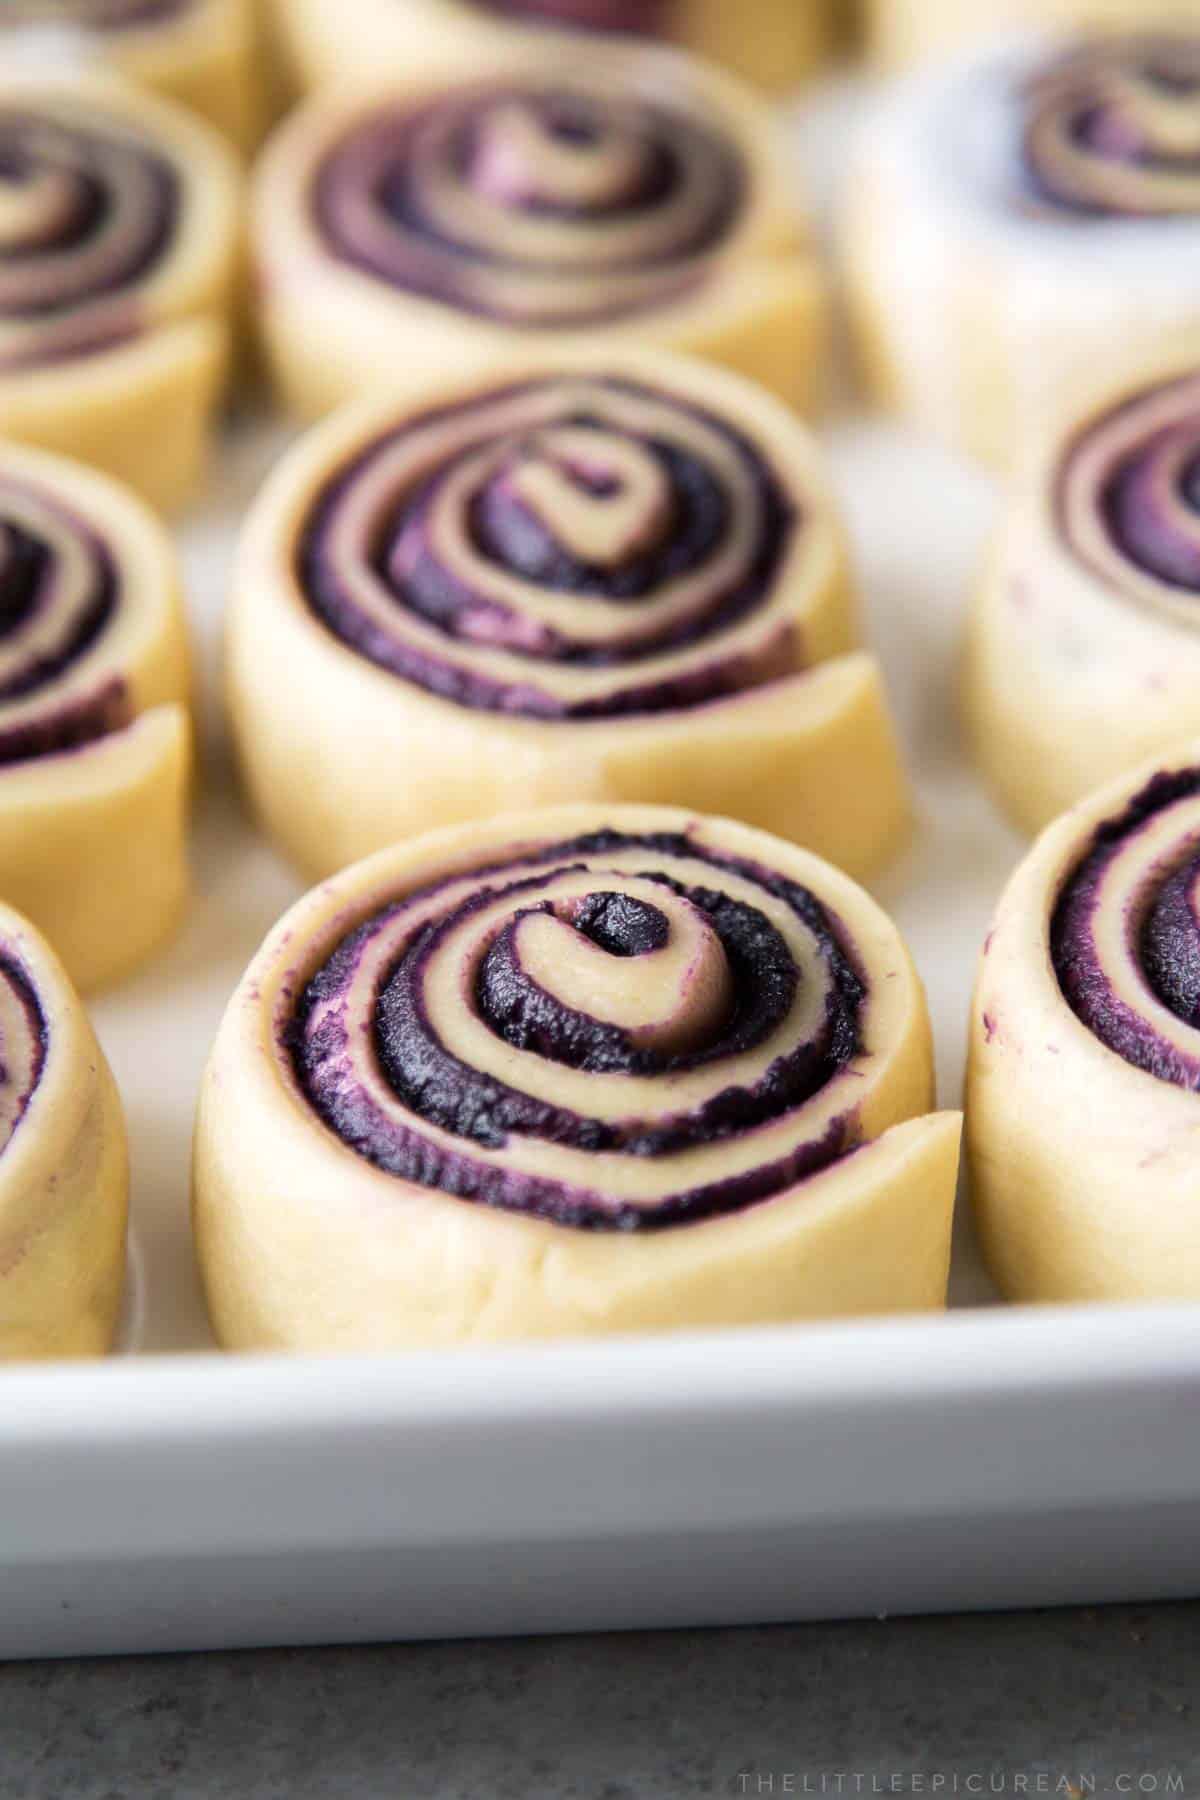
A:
x,y
64,1178
580,1071
774,43
94,733
529,200
118,245
1016,220
610,577
905,31
1082,1102
1084,657
199,52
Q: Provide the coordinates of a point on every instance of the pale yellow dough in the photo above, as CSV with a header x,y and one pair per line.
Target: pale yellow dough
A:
x,y
202,55
64,1180
206,59
331,331
1075,672
907,31
305,1245
1083,1173
774,43
341,757
141,408
93,841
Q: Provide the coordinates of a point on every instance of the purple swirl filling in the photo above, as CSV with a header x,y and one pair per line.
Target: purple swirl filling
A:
x,y
1128,493
645,18
489,199
441,1094
1161,930
24,1041
1112,129
1156,522
49,621
513,535
93,214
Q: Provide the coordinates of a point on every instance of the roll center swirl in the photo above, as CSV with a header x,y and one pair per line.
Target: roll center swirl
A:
x,y
456,553
1114,128
603,498
562,156
651,973
1129,497
617,1032
539,205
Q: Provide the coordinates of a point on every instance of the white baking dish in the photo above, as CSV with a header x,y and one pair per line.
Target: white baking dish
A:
x,y
167,1501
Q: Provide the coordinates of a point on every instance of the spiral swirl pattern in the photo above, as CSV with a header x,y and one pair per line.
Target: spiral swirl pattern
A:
x,y
1113,128
535,205
617,1032
564,548
1125,935
88,211
59,593
1129,495
22,1044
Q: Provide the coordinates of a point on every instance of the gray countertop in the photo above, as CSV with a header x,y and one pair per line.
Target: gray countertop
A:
x,y
1021,1703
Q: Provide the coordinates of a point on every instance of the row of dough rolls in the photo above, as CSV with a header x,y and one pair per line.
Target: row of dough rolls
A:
x,y
118,253
437,220
610,574
518,1048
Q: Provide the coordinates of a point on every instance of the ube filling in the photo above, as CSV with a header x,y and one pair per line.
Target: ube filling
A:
x,y
438,1089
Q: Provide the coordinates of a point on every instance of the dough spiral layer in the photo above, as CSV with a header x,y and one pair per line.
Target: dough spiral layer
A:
x,y
1084,1081
198,52
94,734
617,579
577,1070
1015,216
63,1163
1084,650
118,218
544,200
785,42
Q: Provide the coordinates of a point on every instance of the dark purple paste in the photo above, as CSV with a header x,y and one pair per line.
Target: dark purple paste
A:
x,y
34,1023
28,573
1163,933
646,18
